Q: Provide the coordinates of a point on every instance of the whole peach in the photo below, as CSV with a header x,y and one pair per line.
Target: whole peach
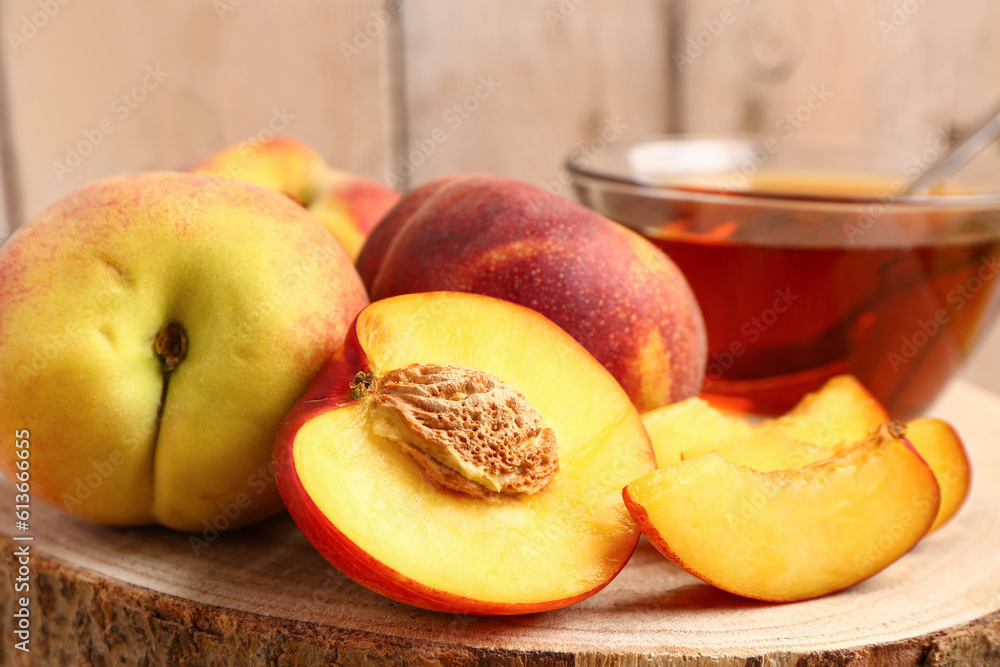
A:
x,y
154,331
621,297
347,204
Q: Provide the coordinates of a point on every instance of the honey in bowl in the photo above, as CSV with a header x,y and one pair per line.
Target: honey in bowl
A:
x,y
802,276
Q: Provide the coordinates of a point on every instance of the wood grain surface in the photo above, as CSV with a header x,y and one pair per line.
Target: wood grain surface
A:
x,y
154,85
152,596
565,73
887,68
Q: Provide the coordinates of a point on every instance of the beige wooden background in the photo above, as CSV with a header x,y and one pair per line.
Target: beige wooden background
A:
x,y
89,89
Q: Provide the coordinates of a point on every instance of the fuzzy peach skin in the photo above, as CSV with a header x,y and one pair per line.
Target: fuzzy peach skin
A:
x,y
263,295
348,205
621,297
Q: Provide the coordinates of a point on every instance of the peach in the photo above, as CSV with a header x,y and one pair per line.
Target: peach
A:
x,y
348,205
440,462
613,291
790,534
936,441
689,424
840,413
154,332
943,450
834,418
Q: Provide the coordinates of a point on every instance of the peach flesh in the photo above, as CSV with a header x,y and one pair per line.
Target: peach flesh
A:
x,y
368,508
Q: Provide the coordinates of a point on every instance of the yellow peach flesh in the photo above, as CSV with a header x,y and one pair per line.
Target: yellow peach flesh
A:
x,y
841,412
568,539
687,425
793,534
944,452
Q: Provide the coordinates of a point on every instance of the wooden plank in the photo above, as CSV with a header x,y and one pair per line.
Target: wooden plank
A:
x,y
983,366
511,86
902,68
111,87
8,185
6,224
154,596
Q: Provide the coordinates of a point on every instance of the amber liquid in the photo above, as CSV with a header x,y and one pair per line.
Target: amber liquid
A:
x,y
792,298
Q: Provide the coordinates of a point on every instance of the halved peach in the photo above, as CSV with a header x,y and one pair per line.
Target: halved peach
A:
x,y
791,534
461,453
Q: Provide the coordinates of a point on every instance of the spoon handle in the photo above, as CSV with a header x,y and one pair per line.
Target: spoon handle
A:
x,y
958,155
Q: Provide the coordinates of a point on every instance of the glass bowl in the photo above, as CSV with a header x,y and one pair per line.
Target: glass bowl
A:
x,y
808,260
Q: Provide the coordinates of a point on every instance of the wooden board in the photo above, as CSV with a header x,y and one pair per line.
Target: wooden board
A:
x,y
106,88
887,68
561,73
146,596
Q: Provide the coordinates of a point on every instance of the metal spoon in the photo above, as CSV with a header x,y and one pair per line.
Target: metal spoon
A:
x,y
957,156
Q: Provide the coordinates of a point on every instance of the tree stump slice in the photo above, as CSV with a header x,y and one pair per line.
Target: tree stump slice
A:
x,y
263,596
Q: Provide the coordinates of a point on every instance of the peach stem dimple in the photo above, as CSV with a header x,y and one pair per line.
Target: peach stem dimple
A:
x,y
362,385
171,346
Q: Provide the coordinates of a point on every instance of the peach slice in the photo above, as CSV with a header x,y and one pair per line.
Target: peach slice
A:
x,y
461,453
841,412
765,450
689,424
791,534
944,452
773,449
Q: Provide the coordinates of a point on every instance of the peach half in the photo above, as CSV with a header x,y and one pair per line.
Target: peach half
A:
x,y
791,534
461,453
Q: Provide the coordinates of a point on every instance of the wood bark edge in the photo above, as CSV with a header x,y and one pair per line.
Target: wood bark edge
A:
x,y
79,616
